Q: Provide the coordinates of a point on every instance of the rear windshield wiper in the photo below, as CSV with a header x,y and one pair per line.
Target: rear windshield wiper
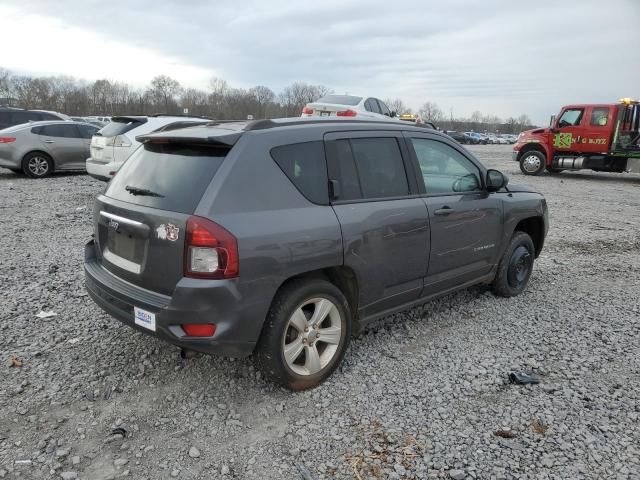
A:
x,y
141,191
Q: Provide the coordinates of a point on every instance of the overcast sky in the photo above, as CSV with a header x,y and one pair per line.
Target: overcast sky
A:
x,y
497,56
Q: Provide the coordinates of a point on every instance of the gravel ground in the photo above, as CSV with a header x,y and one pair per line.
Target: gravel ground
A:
x,y
424,394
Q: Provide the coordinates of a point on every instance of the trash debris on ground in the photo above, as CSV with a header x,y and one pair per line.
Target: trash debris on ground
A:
x,y
523,378
116,434
539,427
304,472
43,314
14,361
505,433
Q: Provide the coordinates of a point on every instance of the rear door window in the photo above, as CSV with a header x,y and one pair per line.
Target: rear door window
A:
x,y
87,131
383,108
120,125
371,105
304,165
367,168
175,175
59,130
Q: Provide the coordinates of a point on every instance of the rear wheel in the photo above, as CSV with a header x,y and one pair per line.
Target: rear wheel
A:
x,y
305,335
37,165
515,266
532,163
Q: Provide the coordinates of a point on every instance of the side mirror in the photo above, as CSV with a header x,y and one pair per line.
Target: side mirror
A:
x,y
552,120
393,113
496,180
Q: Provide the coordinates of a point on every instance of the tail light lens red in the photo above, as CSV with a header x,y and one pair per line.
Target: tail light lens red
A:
x,y
7,139
210,251
199,329
347,113
307,111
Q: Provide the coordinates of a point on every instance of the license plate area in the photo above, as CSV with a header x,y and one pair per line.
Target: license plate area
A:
x,y
144,318
325,114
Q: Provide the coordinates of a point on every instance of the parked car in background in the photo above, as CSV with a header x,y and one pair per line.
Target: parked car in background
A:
x,y
492,138
510,138
192,245
40,148
91,120
349,106
477,137
113,144
459,137
502,140
16,116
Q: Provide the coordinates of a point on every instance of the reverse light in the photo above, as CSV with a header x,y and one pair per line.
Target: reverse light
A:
x,y
210,251
307,111
347,113
199,329
7,139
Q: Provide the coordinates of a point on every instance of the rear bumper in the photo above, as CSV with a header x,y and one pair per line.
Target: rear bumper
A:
x,y
193,301
10,163
101,171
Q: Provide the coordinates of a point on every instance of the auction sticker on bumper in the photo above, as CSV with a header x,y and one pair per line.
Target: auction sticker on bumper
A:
x,y
144,319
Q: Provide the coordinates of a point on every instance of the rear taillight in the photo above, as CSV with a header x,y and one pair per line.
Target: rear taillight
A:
x,y
7,139
199,329
210,251
307,111
118,141
347,113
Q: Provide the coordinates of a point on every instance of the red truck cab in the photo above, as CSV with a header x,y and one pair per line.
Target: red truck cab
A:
x,y
601,137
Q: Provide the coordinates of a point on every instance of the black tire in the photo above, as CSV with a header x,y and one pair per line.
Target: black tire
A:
x,y
515,266
269,353
16,170
37,165
532,162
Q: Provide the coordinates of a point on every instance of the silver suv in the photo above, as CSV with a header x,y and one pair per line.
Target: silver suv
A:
x,y
282,238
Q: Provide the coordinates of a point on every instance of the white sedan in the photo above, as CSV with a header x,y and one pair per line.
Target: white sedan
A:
x,y
349,106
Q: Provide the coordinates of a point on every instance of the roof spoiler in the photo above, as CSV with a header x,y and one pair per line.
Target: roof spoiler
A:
x,y
229,139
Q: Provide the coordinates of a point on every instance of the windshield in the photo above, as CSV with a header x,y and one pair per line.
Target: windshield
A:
x,y
340,99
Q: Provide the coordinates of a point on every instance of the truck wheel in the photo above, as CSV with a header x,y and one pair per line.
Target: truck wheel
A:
x,y
532,163
515,266
305,335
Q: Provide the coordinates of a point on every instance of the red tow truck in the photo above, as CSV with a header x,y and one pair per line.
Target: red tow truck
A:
x,y
600,137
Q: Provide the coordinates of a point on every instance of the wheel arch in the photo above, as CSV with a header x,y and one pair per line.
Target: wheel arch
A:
x,y
342,277
41,152
535,146
534,227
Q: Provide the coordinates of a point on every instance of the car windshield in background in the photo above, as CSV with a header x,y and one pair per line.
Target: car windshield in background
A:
x,y
176,174
120,125
340,99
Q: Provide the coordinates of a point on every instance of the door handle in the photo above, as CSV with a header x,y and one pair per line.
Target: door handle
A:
x,y
445,210
49,141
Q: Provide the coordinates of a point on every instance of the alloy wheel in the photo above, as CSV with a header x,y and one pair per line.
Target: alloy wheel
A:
x,y
38,166
312,336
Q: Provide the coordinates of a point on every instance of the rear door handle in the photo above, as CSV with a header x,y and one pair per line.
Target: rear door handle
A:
x,y
446,210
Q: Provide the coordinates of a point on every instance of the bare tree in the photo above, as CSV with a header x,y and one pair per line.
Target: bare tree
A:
x,y
5,86
430,112
163,91
397,105
264,96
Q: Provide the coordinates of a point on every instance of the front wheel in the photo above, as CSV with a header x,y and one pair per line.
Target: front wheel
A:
x,y
532,163
515,266
305,335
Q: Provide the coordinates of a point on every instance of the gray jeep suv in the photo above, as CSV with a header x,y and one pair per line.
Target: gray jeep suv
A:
x,y
283,237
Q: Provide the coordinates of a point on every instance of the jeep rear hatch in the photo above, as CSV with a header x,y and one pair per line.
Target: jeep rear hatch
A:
x,y
140,221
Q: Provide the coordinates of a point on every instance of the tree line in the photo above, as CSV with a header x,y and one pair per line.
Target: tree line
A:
x,y
221,101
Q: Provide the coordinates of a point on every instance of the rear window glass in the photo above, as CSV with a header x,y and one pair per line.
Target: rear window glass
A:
x,y
304,164
118,126
175,175
380,167
340,99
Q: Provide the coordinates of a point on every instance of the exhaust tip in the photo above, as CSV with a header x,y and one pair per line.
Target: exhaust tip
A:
x,y
185,354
